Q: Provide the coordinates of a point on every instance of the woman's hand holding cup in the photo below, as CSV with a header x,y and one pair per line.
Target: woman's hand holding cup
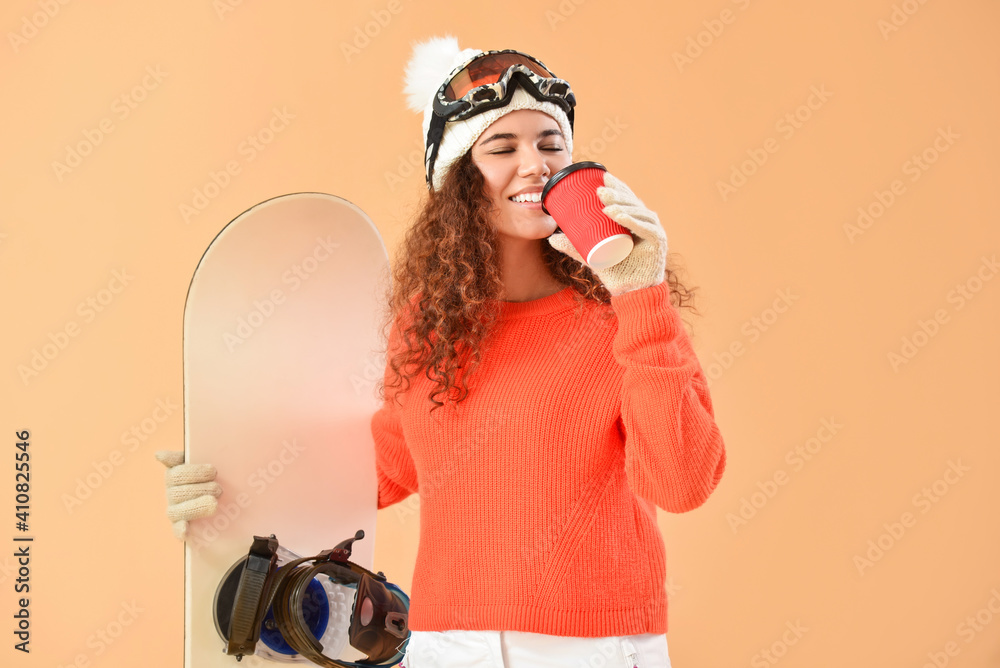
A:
x,y
645,265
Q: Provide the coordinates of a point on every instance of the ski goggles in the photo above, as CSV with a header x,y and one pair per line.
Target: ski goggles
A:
x,y
286,611
486,82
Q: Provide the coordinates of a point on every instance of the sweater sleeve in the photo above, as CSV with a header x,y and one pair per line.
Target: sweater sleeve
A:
x,y
397,475
674,453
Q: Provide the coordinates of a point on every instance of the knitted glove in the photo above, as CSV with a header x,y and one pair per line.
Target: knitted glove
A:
x,y
646,264
190,491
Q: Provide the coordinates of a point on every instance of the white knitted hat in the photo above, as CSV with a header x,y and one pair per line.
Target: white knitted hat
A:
x,y
431,63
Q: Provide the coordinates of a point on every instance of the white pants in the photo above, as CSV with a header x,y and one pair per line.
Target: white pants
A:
x,y
516,649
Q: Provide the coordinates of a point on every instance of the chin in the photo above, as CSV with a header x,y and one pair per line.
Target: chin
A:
x,y
544,231
540,227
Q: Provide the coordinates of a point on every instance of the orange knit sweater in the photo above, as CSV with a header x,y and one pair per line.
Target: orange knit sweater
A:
x,y
537,491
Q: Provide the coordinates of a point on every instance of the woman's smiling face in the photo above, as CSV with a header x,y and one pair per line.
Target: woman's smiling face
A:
x,y
516,155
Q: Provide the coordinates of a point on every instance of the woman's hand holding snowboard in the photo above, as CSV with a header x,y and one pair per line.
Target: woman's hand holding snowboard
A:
x,y
191,490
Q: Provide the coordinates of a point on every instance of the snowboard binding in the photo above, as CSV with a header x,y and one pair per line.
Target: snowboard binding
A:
x,y
290,609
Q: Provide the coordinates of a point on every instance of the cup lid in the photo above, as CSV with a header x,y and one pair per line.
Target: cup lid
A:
x,y
563,173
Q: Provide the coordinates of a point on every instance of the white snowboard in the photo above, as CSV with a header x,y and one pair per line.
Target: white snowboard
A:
x,y
280,337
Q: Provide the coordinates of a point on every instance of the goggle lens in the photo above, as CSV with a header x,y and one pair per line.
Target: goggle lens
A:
x,y
487,70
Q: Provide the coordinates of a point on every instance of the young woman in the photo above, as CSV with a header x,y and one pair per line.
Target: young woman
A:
x,y
541,410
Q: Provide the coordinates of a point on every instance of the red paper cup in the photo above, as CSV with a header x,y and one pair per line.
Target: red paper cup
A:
x,y
570,197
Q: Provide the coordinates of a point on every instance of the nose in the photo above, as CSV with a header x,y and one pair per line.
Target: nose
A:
x,y
534,162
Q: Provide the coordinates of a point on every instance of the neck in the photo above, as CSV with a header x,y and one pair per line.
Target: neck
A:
x,y
524,272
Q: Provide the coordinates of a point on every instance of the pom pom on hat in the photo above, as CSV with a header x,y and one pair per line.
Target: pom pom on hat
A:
x,y
430,64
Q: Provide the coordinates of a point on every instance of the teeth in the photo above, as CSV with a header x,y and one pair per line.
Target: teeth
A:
x,y
527,197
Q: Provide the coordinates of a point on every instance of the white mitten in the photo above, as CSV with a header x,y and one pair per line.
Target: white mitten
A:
x,y
190,491
646,264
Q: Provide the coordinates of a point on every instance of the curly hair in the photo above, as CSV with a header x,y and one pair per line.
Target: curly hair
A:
x,y
444,299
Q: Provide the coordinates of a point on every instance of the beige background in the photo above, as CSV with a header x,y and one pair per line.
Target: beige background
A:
x,y
810,311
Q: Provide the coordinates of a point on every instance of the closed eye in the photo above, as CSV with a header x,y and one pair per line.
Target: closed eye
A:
x,y
554,149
